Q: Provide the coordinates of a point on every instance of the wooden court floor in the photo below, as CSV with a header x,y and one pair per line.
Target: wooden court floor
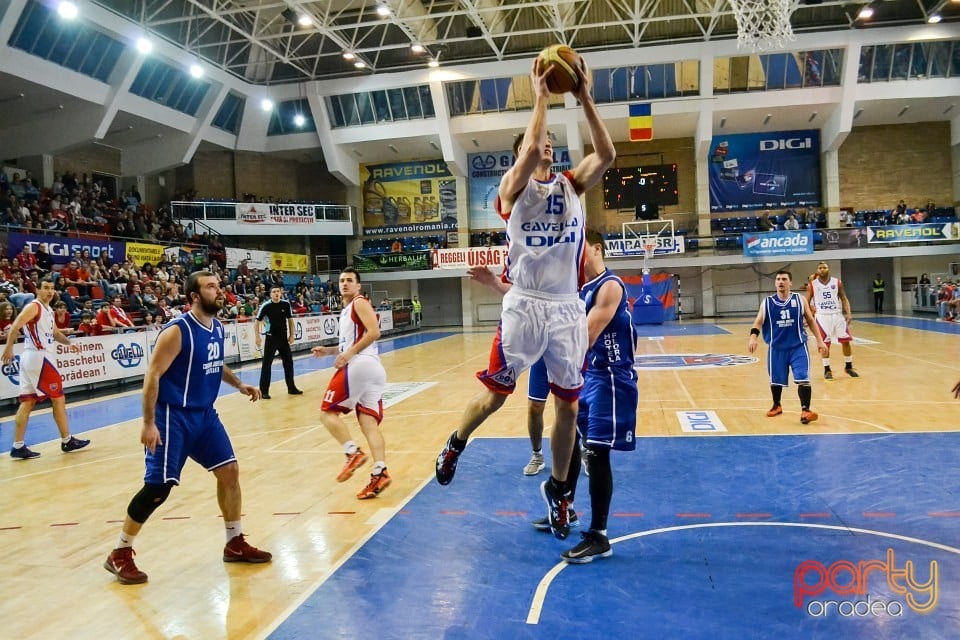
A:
x,y
60,514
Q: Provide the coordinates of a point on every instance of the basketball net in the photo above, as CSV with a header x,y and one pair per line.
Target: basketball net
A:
x,y
762,24
649,247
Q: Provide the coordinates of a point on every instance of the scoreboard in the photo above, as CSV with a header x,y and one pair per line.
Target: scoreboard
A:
x,y
630,187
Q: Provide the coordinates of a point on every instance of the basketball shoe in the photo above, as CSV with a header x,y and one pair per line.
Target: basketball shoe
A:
x,y
592,545
535,465
558,506
851,372
775,410
239,550
120,563
543,524
827,374
73,444
447,461
23,453
806,417
377,483
353,462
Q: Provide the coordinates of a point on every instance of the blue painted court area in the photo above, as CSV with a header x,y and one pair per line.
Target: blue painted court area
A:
x,y
679,329
828,536
111,409
923,324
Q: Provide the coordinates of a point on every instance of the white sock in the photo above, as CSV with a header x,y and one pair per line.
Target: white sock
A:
x,y
65,440
18,444
350,447
233,529
126,540
848,359
378,467
826,362
540,450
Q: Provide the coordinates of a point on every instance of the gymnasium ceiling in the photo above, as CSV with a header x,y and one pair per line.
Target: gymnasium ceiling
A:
x,y
261,42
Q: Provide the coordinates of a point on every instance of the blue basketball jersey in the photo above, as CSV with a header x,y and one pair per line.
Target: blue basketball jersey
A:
x,y
614,346
783,322
193,379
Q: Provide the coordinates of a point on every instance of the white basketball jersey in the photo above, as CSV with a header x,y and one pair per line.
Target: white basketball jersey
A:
x,y
352,329
545,237
826,297
38,333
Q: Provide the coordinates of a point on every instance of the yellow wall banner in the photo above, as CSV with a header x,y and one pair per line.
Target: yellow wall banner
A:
x,y
295,262
141,253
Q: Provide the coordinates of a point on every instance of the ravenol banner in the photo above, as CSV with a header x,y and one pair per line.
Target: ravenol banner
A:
x,y
409,194
928,232
765,170
486,169
778,243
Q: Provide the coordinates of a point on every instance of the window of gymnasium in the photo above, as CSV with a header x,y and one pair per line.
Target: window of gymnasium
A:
x,y
374,107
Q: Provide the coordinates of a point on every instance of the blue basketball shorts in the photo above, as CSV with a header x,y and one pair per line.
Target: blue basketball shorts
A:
x,y
781,361
607,416
193,433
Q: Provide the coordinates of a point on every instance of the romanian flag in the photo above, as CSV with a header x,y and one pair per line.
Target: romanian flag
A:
x,y
640,122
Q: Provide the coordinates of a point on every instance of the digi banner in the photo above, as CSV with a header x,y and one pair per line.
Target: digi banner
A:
x,y
493,257
61,250
296,262
270,213
142,253
255,259
764,170
101,358
778,243
408,195
928,232
486,169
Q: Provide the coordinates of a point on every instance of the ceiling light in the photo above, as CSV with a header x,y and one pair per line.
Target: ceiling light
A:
x,y
349,55
304,20
144,46
299,120
865,13
416,47
360,64
433,63
67,10
266,104
934,18
383,11
196,70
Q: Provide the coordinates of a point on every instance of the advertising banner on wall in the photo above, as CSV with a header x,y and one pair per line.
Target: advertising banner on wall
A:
x,y
141,253
850,238
271,213
101,358
408,195
255,259
392,262
493,257
778,243
928,232
486,169
764,170
296,262
61,250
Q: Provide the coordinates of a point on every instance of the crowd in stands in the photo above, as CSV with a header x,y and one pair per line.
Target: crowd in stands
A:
x,y
900,214
943,294
95,297
373,246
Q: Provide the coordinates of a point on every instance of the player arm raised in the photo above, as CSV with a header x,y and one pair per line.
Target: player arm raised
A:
x,y
755,329
591,168
29,313
814,329
603,309
534,140
164,353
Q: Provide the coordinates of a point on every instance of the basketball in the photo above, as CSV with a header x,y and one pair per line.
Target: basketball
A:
x,y
566,61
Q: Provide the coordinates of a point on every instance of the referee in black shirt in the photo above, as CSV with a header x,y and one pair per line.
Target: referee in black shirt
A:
x,y
275,316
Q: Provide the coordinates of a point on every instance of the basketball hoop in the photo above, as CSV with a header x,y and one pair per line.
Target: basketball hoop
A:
x,y
762,24
649,248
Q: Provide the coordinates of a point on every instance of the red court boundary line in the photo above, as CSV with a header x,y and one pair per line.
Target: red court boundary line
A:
x,y
753,516
286,513
944,514
693,515
627,514
511,513
341,513
821,514
453,512
879,514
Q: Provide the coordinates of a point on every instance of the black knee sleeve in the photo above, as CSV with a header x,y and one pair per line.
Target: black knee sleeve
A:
x,y
147,500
